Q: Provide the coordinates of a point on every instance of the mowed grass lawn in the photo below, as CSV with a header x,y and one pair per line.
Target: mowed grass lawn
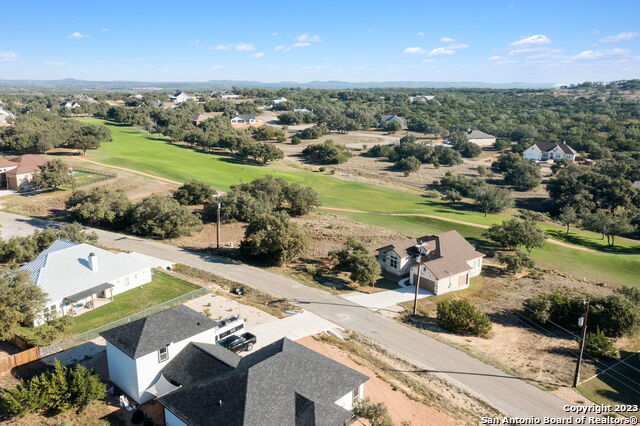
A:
x,y
162,288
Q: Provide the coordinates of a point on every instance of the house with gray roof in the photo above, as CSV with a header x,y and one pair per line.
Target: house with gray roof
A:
x,y
243,119
480,138
385,120
549,151
77,278
447,261
172,356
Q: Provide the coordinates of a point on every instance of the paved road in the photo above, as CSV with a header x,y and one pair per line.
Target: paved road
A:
x,y
506,393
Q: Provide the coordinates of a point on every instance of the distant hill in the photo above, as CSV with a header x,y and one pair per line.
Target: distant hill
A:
x,y
73,84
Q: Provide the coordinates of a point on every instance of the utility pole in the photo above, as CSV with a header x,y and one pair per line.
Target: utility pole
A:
x,y
415,299
73,180
218,226
582,322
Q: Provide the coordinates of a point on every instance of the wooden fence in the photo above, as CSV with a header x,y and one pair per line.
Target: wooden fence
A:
x,y
11,361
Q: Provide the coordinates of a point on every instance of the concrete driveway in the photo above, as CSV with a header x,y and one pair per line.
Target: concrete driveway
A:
x,y
385,299
294,327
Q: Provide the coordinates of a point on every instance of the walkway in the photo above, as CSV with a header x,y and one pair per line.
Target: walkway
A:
x,y
385,299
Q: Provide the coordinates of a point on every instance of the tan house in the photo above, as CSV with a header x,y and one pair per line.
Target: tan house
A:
x,y
18,171
447,261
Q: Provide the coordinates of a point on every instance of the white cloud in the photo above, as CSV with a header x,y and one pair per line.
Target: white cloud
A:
x,y
533,40
420,34
456,46
619,37
216,67
428,61
301,44
274,34
414,51
105,30
7,55
257,55
305,37
441,51
447,40
76,34
596,54
223,47
54,63
281,48
244,47
501,60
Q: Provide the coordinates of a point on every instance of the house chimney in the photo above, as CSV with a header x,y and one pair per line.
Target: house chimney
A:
x,y
93,262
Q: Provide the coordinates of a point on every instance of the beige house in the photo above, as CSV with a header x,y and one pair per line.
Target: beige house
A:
x,y
18,171
447,261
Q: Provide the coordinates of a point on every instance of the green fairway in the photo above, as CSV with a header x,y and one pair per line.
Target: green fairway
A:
x,y
605,267
136,149
163,287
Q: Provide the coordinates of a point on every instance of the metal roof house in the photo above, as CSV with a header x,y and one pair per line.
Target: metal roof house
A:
x,y
79,277
172,356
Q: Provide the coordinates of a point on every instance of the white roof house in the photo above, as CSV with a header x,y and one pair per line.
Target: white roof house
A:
x,y
6,115
180,97
279,100
71,273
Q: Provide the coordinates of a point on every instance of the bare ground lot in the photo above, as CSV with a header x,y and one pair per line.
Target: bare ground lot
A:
x,y
545,356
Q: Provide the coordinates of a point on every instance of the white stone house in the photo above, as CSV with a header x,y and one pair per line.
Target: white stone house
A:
x,y
480,138
545,151
79,277
420,99
70,105
6,116
447,261
172,356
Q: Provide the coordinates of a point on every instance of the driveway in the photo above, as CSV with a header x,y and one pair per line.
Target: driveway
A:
x,y
294,327
385,299
505,392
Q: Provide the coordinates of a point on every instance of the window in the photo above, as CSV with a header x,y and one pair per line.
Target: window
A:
x,y
163,354
384,258
356,394
393,261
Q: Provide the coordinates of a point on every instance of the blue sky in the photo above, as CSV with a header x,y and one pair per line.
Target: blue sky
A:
x,y
537,41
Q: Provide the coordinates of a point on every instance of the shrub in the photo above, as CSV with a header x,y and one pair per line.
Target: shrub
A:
x,y
599,346
53,392
355,258
409,164
194,192
100,206
460,316
523,176
614,315
501,144
516,262
322,169
163,217
296,140
327,152
273,239
51,175
377,414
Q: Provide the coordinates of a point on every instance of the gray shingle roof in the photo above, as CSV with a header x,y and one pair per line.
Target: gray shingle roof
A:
x,y
548,146
479,134
447,253
149,334
265,388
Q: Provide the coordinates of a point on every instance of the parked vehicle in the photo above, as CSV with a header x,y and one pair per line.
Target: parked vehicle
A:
x,y
241,343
